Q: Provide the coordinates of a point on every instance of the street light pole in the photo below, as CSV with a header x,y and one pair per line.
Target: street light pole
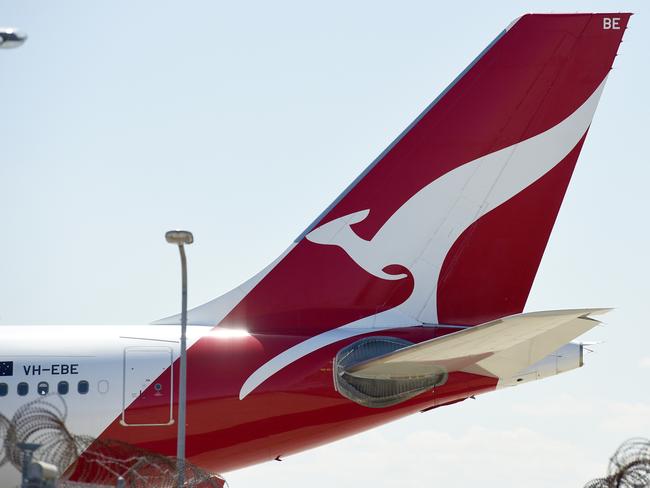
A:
x,y
182,238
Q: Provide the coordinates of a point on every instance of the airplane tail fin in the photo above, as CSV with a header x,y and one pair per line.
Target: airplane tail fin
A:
x,y
449,224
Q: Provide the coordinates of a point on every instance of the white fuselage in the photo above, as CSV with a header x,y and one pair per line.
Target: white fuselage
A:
x,y
94,372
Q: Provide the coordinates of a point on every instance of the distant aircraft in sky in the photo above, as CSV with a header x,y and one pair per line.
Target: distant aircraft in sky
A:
x,y
404,295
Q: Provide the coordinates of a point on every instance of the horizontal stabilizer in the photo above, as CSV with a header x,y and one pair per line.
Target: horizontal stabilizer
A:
x,y
499,348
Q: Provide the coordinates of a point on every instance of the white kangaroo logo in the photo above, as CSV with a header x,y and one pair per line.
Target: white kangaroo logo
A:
x,y
421,232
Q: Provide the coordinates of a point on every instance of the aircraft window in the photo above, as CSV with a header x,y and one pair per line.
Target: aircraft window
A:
x,y
4,389
83,387
43,388
62,388
23,388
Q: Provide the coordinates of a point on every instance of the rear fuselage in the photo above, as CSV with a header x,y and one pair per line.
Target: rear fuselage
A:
x,y
120,383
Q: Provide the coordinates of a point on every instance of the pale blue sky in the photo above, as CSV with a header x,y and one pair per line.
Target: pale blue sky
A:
x,y
242,121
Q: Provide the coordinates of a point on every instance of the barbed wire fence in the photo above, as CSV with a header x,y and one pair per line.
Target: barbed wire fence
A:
x,y
94,462
629,467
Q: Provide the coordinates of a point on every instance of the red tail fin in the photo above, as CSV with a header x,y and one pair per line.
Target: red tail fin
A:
x,y
450,223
